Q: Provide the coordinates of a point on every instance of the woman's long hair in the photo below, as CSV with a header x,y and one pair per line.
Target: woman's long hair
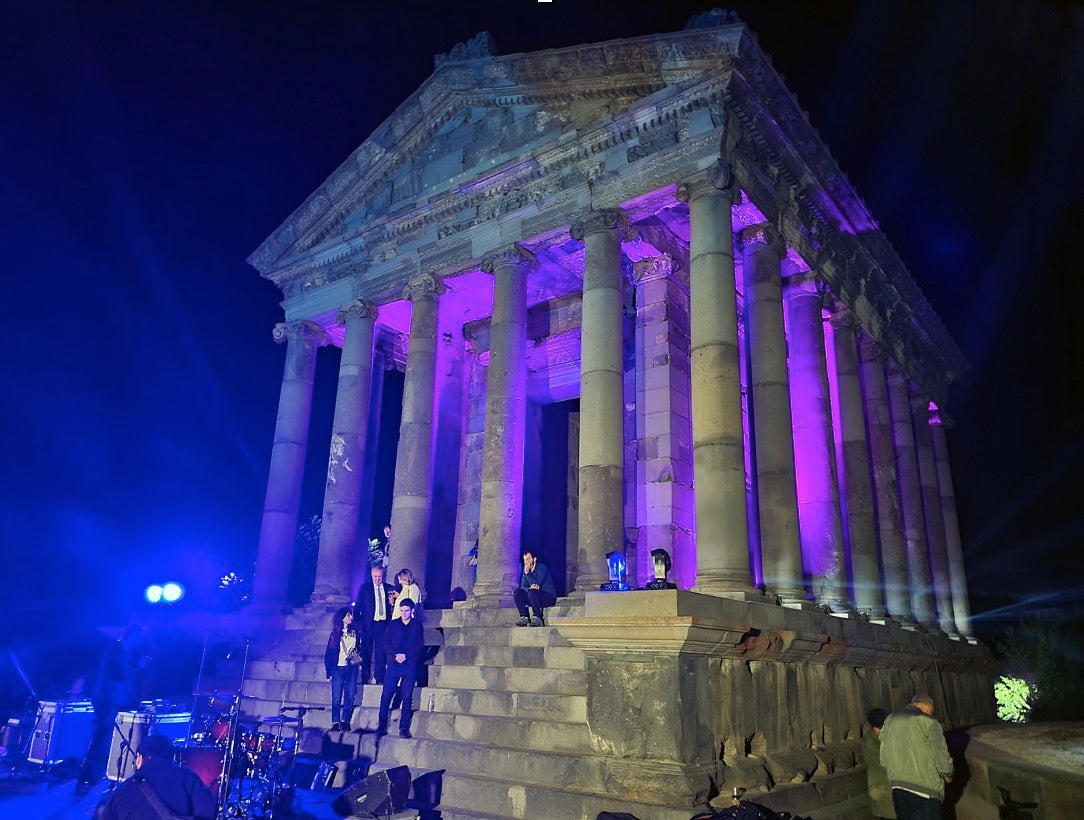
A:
x,y
337,620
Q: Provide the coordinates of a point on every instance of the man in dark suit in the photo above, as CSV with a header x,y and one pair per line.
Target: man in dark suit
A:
x,y
374,607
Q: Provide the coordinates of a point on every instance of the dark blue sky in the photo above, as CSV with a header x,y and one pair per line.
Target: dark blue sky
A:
x,y
151,146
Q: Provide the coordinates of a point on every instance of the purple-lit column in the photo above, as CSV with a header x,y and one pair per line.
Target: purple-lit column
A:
x,y
910,490
814,447
961,607
931,505
883,466
346,460
412,496
601,473
664,457
855,461
278,529
722,530
501,511
769,385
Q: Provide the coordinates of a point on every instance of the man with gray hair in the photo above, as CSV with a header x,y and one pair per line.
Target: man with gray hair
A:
x,y
916,758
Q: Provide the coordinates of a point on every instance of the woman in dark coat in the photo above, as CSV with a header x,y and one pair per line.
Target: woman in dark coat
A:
x,y
340,662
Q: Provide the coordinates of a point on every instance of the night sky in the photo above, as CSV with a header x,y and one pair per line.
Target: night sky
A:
x,y
151,146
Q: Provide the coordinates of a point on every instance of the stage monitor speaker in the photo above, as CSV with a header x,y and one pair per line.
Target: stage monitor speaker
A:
x,y
378,794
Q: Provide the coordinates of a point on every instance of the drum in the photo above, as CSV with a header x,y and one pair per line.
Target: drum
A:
x,y
206,761
218,733
259,748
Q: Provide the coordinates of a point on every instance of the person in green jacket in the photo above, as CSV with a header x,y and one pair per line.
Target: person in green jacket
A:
x,y
880,795
916,758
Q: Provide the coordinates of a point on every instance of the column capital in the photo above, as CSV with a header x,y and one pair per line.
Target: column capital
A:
x,y
663,266
869,348
939,417
356,309
514,256
715,181
763,234
302,329
840,315
606,219
425,285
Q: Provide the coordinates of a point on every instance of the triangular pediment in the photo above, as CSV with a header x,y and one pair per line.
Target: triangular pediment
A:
x,y
480,125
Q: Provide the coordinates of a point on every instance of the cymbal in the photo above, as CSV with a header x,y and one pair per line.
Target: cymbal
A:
x,y
278,719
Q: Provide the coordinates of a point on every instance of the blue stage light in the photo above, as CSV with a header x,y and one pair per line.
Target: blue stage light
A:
x,y
153,593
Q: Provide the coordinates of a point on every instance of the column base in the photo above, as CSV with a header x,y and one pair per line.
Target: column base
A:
x,y
747,594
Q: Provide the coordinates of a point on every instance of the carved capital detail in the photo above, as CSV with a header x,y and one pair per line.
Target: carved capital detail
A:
x,y
303,330
425,285
663,266
869,349
716,180
356,309
515,256
607,219
763,234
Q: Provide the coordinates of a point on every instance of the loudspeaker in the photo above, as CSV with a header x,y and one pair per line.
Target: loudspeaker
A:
x,y
380,793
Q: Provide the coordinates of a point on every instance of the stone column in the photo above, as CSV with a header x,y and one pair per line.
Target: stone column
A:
x,y
278,530
346,461
769,388
910,490
931,505
722,530
601,475
506,408
413,492
961,607
861,521
664,447
885,481
814,446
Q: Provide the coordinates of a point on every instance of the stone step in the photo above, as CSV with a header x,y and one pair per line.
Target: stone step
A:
x,y
506,799
538,705
503,636
468,614
552,657
510,679
507,732
312,669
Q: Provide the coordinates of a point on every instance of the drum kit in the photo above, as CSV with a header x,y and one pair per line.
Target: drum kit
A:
x,y
245,765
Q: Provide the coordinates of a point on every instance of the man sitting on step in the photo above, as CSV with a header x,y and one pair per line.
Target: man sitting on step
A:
x,y
536,589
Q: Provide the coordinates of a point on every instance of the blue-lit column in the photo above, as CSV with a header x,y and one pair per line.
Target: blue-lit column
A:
x,y
501,505
602,407
860,522
931,505
961,606
885,480
814,445
722,529
910,491
346,459
412,496
278,530
769,386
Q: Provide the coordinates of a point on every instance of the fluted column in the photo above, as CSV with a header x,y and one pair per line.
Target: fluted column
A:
x,y
861,521
346,459
278,530
769,386
961,606
601,471
722,530
501,512
931,506
885,480
413,493
910,491
814,446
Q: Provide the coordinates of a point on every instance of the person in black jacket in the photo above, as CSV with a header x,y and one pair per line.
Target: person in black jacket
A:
x,y
156,785
341,661
403,645
536,590
374,609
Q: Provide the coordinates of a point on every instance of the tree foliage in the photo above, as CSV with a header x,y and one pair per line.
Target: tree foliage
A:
x,y
1050,657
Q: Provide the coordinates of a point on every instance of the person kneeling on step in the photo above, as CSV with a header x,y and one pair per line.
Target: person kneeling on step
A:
x,y
403,645
536,590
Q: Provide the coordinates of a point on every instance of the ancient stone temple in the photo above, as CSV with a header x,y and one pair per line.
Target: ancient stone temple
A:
x,y
637,306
